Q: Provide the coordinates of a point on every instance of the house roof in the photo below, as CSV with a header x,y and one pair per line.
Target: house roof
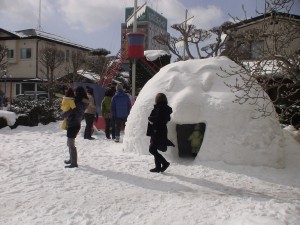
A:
x,y
262,17
37,34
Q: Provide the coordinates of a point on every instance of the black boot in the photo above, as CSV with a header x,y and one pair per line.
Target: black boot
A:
x,y
155,170
73,154
165,166
71,166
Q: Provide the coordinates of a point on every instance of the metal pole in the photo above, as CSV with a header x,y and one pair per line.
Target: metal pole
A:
x,y
134,17
5,85
134,60
10,76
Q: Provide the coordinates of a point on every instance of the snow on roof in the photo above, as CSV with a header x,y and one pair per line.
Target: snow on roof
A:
x,y
16,33
89,75
41,34
125,74
152,55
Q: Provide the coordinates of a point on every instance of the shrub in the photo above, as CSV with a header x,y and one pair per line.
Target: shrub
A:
x,y
289,115
33,112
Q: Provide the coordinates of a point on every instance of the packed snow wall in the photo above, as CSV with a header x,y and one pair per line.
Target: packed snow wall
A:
x,y
197,93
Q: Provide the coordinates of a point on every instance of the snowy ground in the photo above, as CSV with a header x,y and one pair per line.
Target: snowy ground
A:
x,y
115,187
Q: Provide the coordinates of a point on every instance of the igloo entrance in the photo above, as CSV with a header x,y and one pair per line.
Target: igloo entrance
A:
x,y
189,139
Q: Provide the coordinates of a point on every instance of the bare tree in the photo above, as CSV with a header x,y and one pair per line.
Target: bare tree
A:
x,y
3,58
78,60
51,57
268,48
193,38
170,42
97,61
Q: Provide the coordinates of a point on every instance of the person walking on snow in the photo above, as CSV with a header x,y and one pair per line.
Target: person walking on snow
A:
x,y
120,108
158,131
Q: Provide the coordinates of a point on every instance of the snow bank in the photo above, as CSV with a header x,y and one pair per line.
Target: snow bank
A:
x,y
293,132
197,94
10,117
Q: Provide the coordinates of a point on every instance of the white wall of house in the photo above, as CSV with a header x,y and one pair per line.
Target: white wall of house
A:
x,y
271,28
24,68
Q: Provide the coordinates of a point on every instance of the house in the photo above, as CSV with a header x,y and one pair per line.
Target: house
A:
x,y
269,46
24,71
273,33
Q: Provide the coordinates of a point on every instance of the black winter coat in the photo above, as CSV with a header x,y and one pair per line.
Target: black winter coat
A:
x,y
74,116
157,126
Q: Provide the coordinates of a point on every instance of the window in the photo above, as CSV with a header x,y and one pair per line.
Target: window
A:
x,y
18,89
10,53
243,49
257,49
28,87
67,55
41,87
25,53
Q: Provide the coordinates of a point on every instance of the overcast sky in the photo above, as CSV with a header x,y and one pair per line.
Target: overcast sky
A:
x,y
97,23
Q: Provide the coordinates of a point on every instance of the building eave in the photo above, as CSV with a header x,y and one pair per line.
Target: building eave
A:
x,y
257,19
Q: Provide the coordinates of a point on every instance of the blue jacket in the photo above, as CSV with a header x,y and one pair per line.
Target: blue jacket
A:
x,y
120,105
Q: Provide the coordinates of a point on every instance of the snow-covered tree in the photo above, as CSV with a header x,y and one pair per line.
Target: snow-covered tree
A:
x,y
3,58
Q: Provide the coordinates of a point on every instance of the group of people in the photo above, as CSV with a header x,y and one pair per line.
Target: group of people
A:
x,y
81,103
115,109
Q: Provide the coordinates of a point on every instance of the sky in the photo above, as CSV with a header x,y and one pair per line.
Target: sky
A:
x,y
97,23
233,180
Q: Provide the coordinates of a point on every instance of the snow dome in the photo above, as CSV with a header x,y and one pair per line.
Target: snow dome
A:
x,y
198,96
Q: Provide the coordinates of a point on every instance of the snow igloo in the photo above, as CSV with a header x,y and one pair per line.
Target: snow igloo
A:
x,y
197,93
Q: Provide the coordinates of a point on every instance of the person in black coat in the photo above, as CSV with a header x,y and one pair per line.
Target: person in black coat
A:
x,y
158,131
74,117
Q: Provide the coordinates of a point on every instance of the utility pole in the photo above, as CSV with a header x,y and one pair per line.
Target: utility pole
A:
x,y
40,20
185,37
134,59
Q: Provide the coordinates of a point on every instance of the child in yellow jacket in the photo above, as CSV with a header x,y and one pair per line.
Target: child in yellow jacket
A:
x,y
67,104
196,139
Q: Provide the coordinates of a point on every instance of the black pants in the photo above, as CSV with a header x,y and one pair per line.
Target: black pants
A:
x,y
119,121
158,158
89,120
109,123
